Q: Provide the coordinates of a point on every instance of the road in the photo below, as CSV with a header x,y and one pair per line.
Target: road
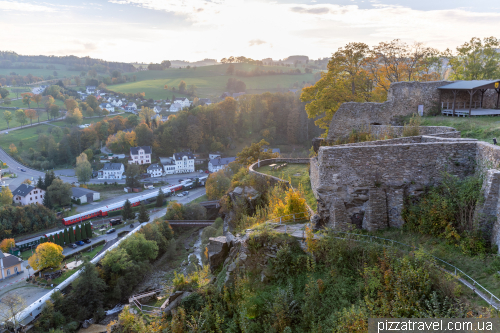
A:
x,y
174,179
18,281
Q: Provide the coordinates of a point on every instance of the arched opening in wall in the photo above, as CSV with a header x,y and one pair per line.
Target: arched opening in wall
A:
x,y
357,219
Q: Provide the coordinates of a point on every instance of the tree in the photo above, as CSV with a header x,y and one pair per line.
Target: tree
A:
x,y
175,211
54,111
127,213
20,117
27,100
12,305
37,99
66,236
6,244
92,102
132,174
146,113
84,231
46,202
182,87
255,152
143,214
74,117
88,227
217,185
46,255
7,101
57,132
71,104
475,60
83,168
165,64
230,70
88,292
194,211
78,233
4,93
6,196
26,181
71,233
160,198
144,135
59,192
31,114
49,178
7,115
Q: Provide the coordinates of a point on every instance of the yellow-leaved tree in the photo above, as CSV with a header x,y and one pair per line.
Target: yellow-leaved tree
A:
x,y
46,255
6,244
6,196
293,203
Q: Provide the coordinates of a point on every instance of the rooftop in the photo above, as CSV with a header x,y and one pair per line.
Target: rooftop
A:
x,y
23,190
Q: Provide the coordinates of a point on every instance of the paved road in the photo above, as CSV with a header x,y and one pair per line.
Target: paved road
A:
x,y
18,281
29,173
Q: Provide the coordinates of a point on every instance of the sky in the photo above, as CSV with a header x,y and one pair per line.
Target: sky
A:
x,y
155,30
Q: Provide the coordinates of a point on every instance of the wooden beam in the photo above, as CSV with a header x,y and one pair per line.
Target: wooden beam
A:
x,y
454,100
471,93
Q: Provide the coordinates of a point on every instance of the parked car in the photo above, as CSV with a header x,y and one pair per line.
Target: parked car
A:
x,y
73,246
180,195
206,171
186,193
80,243
23,170
110,231
87,241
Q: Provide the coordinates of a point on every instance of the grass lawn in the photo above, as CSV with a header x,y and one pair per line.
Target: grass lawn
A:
x,y
61,70
19,104
201,199
28,136
92,253
210,81
481,128
298,174
62,123
60,279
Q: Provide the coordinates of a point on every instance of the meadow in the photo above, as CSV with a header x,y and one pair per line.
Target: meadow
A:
x,y
481,128
210,81
62,71
29,137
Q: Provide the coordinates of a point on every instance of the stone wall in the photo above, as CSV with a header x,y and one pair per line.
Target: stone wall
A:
x,y
403,99
370,182
397,131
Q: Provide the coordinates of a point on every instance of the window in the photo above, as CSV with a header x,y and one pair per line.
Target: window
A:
x,y
8,272
15,269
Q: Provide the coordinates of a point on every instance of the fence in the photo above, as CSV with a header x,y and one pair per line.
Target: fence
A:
x,y
457,272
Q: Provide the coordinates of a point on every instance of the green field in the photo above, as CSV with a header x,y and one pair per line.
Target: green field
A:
x,y
28,136
210,81
62,71
19,104
481,128
62,123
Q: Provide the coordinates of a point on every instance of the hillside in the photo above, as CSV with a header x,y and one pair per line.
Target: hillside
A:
x,y
210,80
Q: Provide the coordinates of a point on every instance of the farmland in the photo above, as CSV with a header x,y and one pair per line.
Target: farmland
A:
x,y
210,81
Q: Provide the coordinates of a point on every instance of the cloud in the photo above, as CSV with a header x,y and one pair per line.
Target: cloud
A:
x,y
313,10
23,7
256,42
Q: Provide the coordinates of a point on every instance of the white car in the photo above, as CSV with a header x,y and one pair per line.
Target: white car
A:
x,y
180,195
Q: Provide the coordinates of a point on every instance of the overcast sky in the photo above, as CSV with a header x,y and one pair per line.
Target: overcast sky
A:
x,y
156,30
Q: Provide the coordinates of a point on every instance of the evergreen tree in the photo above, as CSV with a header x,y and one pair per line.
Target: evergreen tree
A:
x,y
84,231
127,213
66,236
89,230
40,183
78,234
71,234
51,239
42,240
143,214
49,178
160,198
46,201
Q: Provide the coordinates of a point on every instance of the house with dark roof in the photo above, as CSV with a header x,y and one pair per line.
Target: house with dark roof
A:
x,y
111,171
233,95
140,155
176,107
205,101
10,265
131,106
90,90
219,163
107,106
84,195
168,164
155,170
27,194
184,162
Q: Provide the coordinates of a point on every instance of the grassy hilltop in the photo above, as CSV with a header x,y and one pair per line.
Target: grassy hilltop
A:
x,y
209,81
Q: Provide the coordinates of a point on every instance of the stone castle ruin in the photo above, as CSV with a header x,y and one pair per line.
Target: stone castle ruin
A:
x,y
364,184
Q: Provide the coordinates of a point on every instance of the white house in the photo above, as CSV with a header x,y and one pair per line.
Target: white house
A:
x,y
107,106
111,171
27,194
90,90
217,164
213,156
116,102
155,170
168,165
140,155
157,109
84,195
184,162
176,107
182,101
131,107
